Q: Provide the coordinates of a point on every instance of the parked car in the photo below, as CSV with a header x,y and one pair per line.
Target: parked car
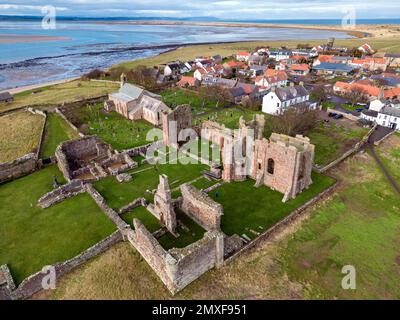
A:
x,y
359,109
338,116
329,97
332,114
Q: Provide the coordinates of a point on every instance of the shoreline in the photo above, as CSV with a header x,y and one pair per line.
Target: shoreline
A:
x,y
355,33
38,86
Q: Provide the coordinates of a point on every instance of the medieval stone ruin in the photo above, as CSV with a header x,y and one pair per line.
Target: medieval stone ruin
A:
x,y
281,162
89,159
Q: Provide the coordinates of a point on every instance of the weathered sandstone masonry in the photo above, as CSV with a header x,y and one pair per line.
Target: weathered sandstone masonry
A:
x,y
201,208
179,267
62,193
282,163
90,159
18,168
174,124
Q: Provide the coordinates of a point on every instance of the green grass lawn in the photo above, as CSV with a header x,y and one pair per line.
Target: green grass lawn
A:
x,y
149,221
32,237
56,132
248,208
205,150
359,226
186,237
331,141
229,117
351,108
111,127
176,97
57,94
118,194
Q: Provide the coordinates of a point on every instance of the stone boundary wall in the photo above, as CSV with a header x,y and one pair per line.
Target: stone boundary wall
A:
x,y
18,168
33,283
201,208
122,226
281,225
178,267
138,151
5,271
344,114
213,187
41,137
377,143
134,204
62,115
347,154
62,193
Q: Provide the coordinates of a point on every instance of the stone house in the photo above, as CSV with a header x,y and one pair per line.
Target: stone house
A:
x,y
135,103
6,97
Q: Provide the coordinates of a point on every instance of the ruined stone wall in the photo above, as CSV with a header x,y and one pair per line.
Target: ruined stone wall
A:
x,y
60,194
179,267
182,116
18,168
201,208
33,283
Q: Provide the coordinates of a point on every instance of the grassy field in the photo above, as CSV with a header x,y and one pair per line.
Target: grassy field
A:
x,y
229,117
111,127
56,132
358,225
32,237
146,178
389,153
176,97
57,94
332,140
390,45
258,209
141,213
19,134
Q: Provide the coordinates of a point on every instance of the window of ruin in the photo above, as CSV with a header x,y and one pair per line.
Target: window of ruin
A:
x,y
271,166
259,166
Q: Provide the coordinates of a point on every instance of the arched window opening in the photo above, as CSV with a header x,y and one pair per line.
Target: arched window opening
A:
x,y
271,166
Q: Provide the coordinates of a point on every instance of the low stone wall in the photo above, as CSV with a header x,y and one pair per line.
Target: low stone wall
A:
x,y
33,283
138,151
377,143
5,274
114,216
281,225
62,193
178,267
18,168
134,204
347,154
201,208
62,115
212,188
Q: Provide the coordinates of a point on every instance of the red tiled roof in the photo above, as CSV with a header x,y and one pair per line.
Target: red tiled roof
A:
x,y
300,67
187,80
370,90
244,54
392,93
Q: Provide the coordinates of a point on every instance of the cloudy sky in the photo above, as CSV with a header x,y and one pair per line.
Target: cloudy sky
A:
x,y
223,9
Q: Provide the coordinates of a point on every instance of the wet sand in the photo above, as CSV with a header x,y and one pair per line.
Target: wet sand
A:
x,y
18,38
351,32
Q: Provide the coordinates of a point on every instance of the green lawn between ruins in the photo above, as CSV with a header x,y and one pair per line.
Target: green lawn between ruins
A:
x,y
56,132
31,237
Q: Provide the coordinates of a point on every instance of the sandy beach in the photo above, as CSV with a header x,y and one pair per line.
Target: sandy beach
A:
x,y
39,85
18,38
359,31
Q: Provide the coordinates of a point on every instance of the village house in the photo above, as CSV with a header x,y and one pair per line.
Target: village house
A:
x,y
326,68
388,116
281,55
299,69
256,70
176,68
186,82
281,99
370,64
271,78
387,79
393,60
243,56
366,49
135,103
235,65
6,97
370,91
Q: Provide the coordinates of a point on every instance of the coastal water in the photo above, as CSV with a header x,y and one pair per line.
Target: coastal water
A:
x,y
89,45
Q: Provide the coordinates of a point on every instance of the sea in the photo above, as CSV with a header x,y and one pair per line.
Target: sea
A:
x,y
88,44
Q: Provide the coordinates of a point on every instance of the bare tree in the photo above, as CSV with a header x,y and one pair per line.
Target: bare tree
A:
x,y
356,95
297,120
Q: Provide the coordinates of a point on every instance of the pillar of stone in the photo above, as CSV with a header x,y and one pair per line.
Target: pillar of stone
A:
x,y
163,205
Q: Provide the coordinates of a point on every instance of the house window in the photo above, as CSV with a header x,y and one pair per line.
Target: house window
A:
x,y
271,166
